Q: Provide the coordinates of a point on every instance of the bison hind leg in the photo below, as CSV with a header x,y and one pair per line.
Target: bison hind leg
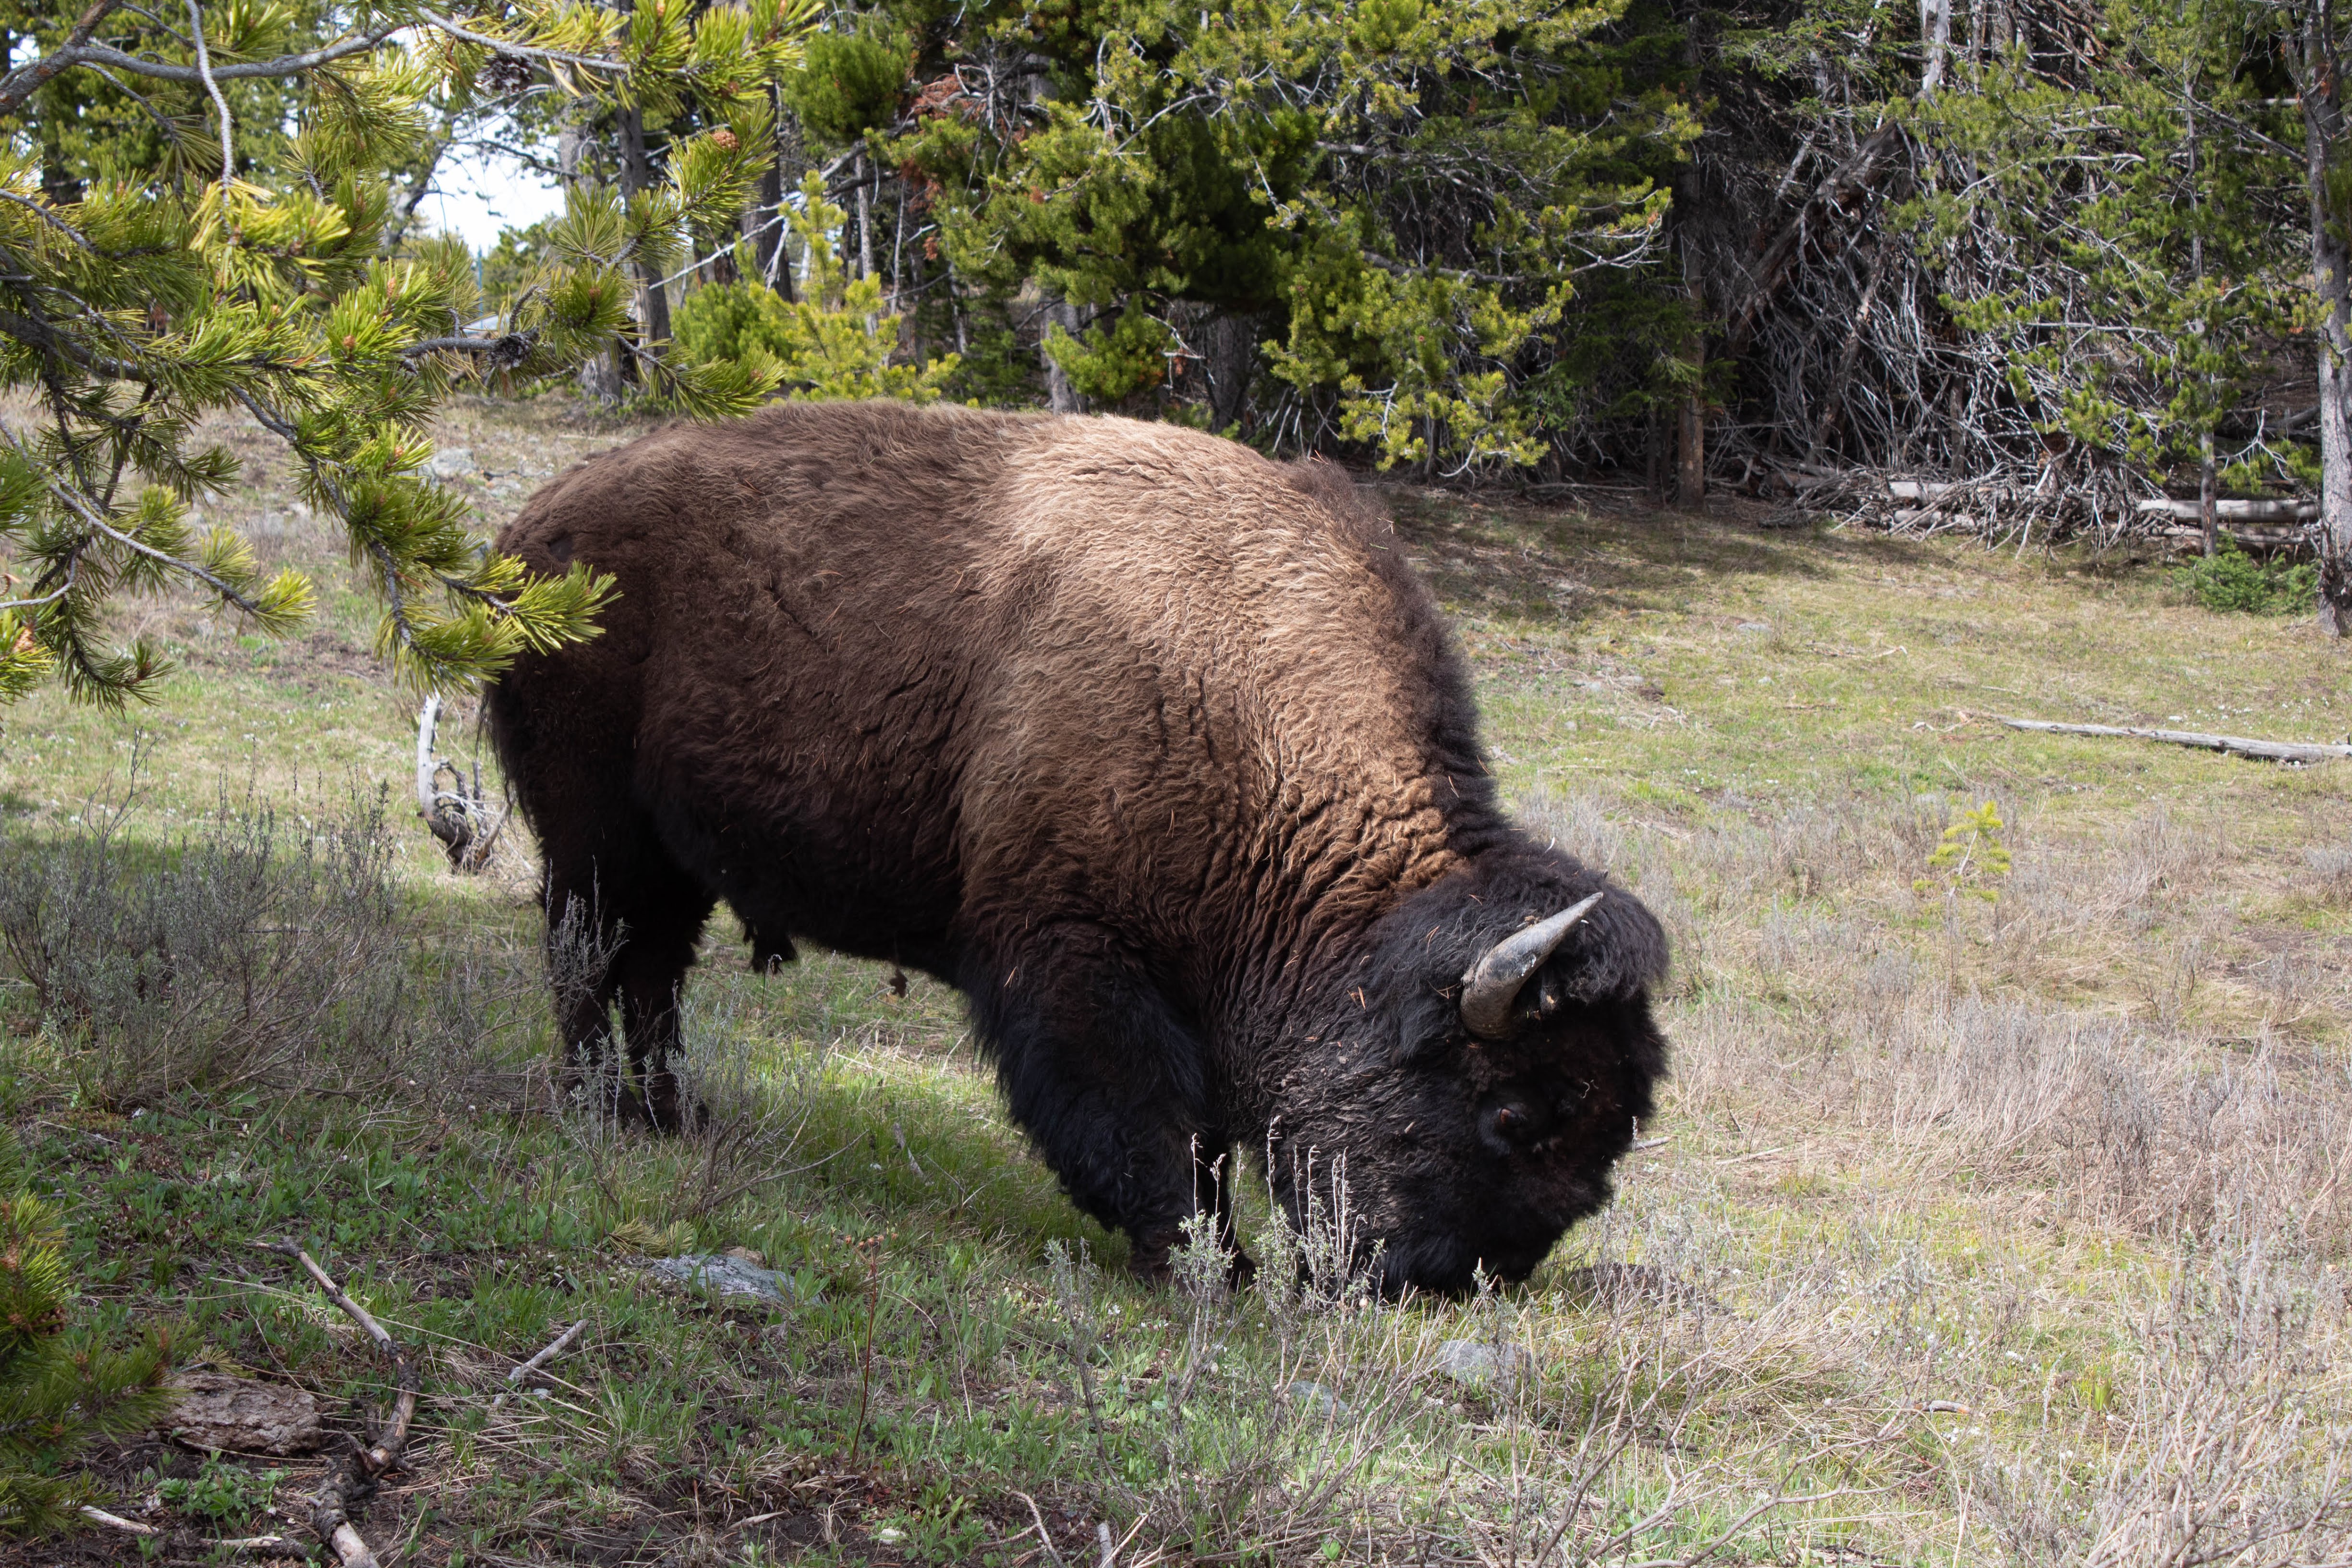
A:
x,y
769,950
626,934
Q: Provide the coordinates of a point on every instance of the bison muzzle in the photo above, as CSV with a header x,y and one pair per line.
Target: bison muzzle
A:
x,y
1155,749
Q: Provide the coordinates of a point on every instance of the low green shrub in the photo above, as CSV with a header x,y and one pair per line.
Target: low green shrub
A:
x,y
220,1493
2235,581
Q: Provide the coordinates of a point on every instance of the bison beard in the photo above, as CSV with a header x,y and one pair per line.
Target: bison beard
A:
x,y
1154,747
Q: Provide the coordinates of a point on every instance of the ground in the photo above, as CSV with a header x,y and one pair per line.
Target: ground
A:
x,y
1993,1214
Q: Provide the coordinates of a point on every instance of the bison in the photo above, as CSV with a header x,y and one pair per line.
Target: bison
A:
x,y
1155,749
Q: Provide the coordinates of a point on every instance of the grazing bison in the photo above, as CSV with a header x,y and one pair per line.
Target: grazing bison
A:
x,y
1153,748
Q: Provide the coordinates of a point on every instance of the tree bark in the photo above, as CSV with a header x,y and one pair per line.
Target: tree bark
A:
x,y
636,175
766,223
2209,500
1060,395
2321,93
1935,32
1230,359
1690,443
600,376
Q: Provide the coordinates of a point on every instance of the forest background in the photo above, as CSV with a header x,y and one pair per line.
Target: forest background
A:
x,y
2026,269
2056,1163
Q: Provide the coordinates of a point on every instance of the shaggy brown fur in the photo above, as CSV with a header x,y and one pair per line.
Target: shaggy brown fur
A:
x,y
1155,748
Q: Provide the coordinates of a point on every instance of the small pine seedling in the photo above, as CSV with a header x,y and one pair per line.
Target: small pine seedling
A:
x,y
59,1392
1969,858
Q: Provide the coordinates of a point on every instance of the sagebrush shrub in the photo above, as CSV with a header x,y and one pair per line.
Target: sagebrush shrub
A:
x,y
259,949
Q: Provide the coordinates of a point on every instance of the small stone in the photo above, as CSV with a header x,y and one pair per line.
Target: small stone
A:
x,y
889,1535
750,1255
727,1277
242,1417
1314,1399
1755,626
452,463
1478,1364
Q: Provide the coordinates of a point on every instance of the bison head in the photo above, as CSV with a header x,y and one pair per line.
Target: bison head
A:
x,y
1479,1074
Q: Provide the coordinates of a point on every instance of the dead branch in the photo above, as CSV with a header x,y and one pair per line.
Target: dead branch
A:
x,y
549,1353
116,1521
2235,746
461,817
1043,1535
353,1481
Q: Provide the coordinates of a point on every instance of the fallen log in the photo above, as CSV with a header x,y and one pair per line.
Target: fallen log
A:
x,y
2234,745
2233,511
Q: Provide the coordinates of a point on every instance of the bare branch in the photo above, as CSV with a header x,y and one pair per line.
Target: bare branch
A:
x,y
549,1353
205,70
163,70
27,80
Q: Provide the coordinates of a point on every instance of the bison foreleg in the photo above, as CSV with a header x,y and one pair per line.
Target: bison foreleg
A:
x,y
1107,1079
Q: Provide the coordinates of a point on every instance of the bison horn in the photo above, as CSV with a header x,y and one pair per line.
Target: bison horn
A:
x,y
1492,987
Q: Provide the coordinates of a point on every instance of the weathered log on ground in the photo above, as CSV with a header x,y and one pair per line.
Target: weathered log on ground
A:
x,y
2233,511
2258,539
2235,746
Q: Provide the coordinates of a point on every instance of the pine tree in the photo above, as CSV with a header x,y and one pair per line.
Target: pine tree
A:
x,y
833,339
1392,201
261,281
60,1390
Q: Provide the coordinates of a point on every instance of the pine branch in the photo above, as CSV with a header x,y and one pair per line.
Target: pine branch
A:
x,y
27,79
163,70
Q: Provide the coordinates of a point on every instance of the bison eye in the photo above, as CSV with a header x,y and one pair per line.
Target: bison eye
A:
x,y
1514,1124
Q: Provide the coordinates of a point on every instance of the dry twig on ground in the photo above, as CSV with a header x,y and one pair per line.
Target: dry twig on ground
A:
x,y
353,1480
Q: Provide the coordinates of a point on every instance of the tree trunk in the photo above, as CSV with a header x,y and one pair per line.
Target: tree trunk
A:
x,y
1231,358
1690,434
2323,128
1935,32
1690,447
1060,395
637,175
600,376
2209,500
766,220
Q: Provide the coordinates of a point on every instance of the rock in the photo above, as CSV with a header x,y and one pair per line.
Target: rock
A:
x,y
727,1277
1476,1363
243,1416
750,1255
1314,1399
1755,626
451,463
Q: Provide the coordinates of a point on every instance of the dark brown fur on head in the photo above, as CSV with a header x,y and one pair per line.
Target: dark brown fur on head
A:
x,y
1156,749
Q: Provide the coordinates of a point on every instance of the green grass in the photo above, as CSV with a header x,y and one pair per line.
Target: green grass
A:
x,y
1955,1207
